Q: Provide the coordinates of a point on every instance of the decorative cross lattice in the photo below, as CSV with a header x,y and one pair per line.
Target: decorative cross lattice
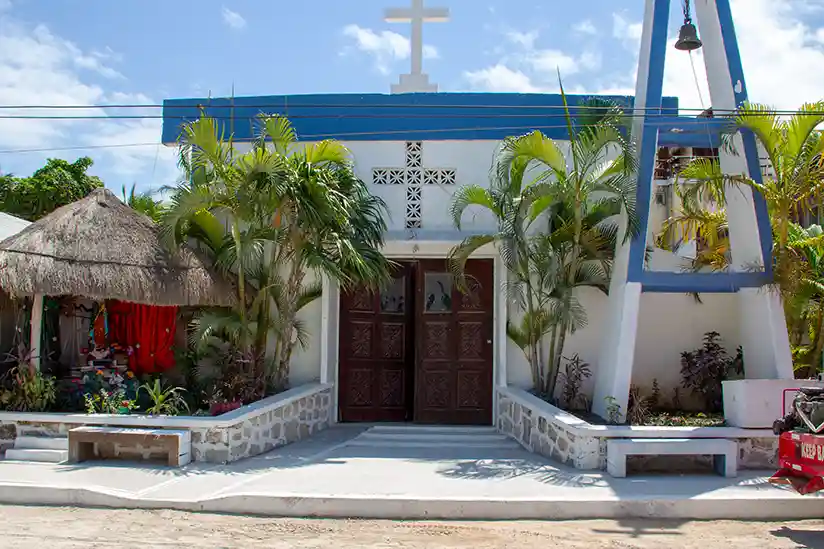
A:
x,y
413,175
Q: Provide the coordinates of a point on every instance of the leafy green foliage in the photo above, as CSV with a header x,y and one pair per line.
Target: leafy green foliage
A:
x,y
683,419
144,202
164,400
273,218
56,184
613,410
572,377
109,402
704,369
28,390
558,225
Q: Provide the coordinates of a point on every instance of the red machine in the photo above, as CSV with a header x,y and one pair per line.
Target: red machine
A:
x,y
801,444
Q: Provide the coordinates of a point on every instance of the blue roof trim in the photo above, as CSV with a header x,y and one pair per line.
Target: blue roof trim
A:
x,y
648,147
716,283
416,116
762,216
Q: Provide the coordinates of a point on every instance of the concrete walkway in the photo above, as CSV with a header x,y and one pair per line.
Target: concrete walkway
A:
x,y
342,473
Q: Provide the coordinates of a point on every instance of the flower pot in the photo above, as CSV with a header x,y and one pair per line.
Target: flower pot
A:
x,y
123,410
757,403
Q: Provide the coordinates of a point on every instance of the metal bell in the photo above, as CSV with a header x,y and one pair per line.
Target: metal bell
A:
x,y
688,38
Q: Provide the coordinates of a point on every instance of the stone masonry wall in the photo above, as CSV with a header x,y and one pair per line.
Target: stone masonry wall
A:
x,y
542,434
8,432
270,429
538,433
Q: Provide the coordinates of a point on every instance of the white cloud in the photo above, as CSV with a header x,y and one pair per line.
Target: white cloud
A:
x,y
779,52
233,19
500,78
628,33
777,70
585,27
552,61
385,47
523,39
531,68
38,67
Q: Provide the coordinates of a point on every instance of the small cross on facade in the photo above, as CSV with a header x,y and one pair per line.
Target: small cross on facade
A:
x,y
413,175
417,14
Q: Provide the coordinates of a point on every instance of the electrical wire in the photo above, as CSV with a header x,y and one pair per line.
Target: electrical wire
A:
x,y
337,135
284,106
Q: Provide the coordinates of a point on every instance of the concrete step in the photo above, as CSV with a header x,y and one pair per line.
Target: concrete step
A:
x,y
437,437
499,445
37,454
433,437
41,443
433,429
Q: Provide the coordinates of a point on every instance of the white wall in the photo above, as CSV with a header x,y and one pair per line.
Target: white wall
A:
x,y
472,161
668,325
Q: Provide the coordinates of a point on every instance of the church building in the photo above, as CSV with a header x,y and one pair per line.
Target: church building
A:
x,y
422,351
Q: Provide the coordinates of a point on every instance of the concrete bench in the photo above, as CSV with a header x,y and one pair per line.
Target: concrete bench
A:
x,y
723,451
177,444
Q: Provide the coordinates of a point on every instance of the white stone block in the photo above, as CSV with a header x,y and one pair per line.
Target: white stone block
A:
x,y
757,403
724,451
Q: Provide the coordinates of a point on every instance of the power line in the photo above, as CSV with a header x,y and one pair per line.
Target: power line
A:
x,y
285,106
343,135
311,116
78,148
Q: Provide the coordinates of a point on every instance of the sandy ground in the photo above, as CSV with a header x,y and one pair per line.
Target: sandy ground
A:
x,y
61,528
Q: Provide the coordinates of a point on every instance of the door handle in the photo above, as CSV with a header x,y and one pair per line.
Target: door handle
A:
x,y
489,341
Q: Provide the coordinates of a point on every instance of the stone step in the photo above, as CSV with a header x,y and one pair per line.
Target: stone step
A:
x,y
457,438
41,443
433,429
422,443
414,436
37,454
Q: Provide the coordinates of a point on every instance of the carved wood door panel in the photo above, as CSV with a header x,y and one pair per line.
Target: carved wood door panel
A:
x,y
376,354
453,373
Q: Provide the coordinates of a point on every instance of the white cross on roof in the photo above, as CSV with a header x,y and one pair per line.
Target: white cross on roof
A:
x,y
417,14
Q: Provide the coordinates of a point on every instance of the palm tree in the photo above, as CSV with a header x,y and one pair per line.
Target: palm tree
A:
x,y
805,309
558,220
273,216
144,202
794,149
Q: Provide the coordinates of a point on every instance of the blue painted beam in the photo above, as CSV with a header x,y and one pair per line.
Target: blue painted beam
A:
x,y
736,69
380,117
666,282
648,147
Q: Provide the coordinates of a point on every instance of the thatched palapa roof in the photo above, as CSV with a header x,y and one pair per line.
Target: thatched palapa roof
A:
x,y
100,248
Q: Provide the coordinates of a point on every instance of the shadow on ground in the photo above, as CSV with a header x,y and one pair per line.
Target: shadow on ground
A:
x,y
804,538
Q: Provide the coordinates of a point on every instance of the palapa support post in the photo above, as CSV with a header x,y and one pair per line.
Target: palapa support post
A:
x,y
36,331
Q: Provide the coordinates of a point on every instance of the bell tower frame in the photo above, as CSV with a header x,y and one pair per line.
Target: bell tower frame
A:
x,y
763,331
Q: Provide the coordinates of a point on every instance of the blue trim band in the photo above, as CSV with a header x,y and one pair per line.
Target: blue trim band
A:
x,y
380,117
736,69
718,283
649,137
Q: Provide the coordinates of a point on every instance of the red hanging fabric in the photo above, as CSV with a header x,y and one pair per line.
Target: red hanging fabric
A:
x,y
149,330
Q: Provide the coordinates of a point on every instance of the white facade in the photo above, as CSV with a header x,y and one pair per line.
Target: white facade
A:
x,y
668,323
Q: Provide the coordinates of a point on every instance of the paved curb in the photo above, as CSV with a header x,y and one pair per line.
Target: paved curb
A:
x,y
781,506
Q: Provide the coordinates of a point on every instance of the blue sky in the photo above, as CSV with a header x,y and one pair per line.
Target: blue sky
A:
x,y
88,52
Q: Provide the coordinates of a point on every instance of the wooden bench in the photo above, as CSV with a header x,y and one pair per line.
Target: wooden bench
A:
x,y
176,443
723,451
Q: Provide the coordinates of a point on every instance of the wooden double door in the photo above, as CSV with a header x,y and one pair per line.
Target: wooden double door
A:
x,y
419,350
